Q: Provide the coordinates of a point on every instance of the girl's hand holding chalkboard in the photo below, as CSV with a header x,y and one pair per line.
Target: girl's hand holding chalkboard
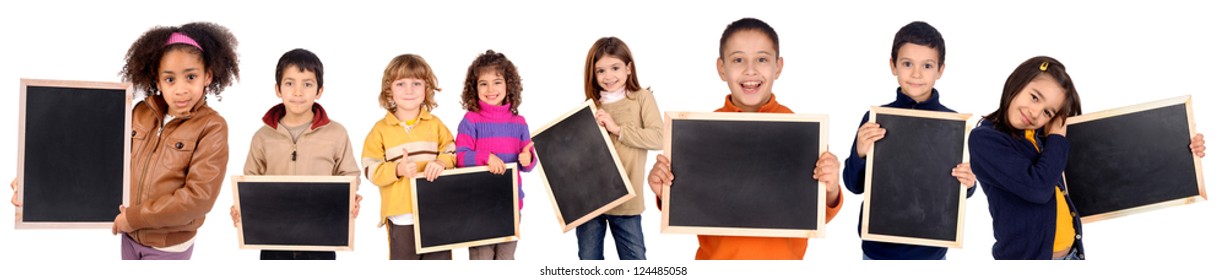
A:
x,y
826,170
964,174
525,156
607,122
234,215
661,175
1197,146
433,169
357,205
496,165
14,185
121,222
868,134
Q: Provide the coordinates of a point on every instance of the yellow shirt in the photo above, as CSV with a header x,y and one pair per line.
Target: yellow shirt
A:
x,y
1064,217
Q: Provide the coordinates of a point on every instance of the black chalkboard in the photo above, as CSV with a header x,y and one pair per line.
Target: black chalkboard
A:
x,y
466,207
909,195
744,174
1132,159
304,213
73,154
583,176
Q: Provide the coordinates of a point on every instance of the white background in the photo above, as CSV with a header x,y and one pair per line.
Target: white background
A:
x,y
836,63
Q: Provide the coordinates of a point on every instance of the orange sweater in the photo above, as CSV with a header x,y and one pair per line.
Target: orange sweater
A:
x,y
757,248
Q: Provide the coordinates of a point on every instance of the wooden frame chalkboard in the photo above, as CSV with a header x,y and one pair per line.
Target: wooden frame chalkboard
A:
x,y
73,153
909,195
274,209
1133,159
760,185
582,173
465,207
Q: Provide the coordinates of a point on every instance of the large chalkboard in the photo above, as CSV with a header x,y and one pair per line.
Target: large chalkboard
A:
x,y
909,195
744,174
72,154
582,174
1133,159
302,213
466,207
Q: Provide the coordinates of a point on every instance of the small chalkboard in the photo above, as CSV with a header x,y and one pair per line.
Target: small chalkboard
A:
x,y
744,174
73,153
909,195
466,207
582,173
299,213
1133,159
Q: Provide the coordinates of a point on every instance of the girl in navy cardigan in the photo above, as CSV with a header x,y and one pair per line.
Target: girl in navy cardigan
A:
x,y
1019,153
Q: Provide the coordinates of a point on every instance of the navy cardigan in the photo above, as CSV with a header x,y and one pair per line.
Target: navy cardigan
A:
x,y
1018,181
853,177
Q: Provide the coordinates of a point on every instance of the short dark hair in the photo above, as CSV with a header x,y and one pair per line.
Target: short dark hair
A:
x,y
304,60
1026,72
919,33
748,24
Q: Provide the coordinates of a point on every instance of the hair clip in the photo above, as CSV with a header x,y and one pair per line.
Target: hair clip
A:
x,y
1043,67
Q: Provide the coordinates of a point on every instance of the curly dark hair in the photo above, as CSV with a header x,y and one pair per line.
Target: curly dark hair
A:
x,y
497,62
217,50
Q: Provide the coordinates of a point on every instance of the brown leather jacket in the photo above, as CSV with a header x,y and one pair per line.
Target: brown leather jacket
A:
x,y
177,171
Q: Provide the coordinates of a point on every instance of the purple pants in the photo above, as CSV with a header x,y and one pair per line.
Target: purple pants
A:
x,y
131,250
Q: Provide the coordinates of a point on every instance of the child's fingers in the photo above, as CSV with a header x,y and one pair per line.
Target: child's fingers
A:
x,y
528,148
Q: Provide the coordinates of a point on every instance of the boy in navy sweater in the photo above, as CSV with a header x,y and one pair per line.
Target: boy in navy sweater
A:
x,y
918,60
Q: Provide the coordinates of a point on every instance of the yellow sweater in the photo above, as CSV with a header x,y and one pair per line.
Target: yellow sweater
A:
x,y
426,140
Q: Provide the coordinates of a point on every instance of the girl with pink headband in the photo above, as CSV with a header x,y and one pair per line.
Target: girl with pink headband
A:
x,y
179,143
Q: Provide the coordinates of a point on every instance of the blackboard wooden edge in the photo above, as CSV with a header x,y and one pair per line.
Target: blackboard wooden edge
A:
x,y
513,168
868,179
1186,99
621,170
751,232
823,122
18,219
483,242
353,190
599,211
914,241
1142,209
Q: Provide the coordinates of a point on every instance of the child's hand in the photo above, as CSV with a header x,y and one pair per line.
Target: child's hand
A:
x,y
964,174
433,169
868,134
525,157
357,204
826,170
1197,146
14,186
234,215
496,165
405,168
121,222
607,122
661,175
1057,126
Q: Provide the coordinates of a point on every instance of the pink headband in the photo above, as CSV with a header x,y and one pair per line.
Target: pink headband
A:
x,y
179,38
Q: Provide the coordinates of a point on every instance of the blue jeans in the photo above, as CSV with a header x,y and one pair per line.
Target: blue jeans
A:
x,y
627,233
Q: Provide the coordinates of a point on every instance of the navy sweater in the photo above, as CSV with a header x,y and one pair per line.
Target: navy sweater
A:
x,y
1018,181
853,177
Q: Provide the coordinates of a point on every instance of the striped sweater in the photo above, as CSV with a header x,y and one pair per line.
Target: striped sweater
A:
x,y
493,130
391,139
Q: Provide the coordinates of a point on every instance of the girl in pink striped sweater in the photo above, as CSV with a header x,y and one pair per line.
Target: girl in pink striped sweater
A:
x,y
492,132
